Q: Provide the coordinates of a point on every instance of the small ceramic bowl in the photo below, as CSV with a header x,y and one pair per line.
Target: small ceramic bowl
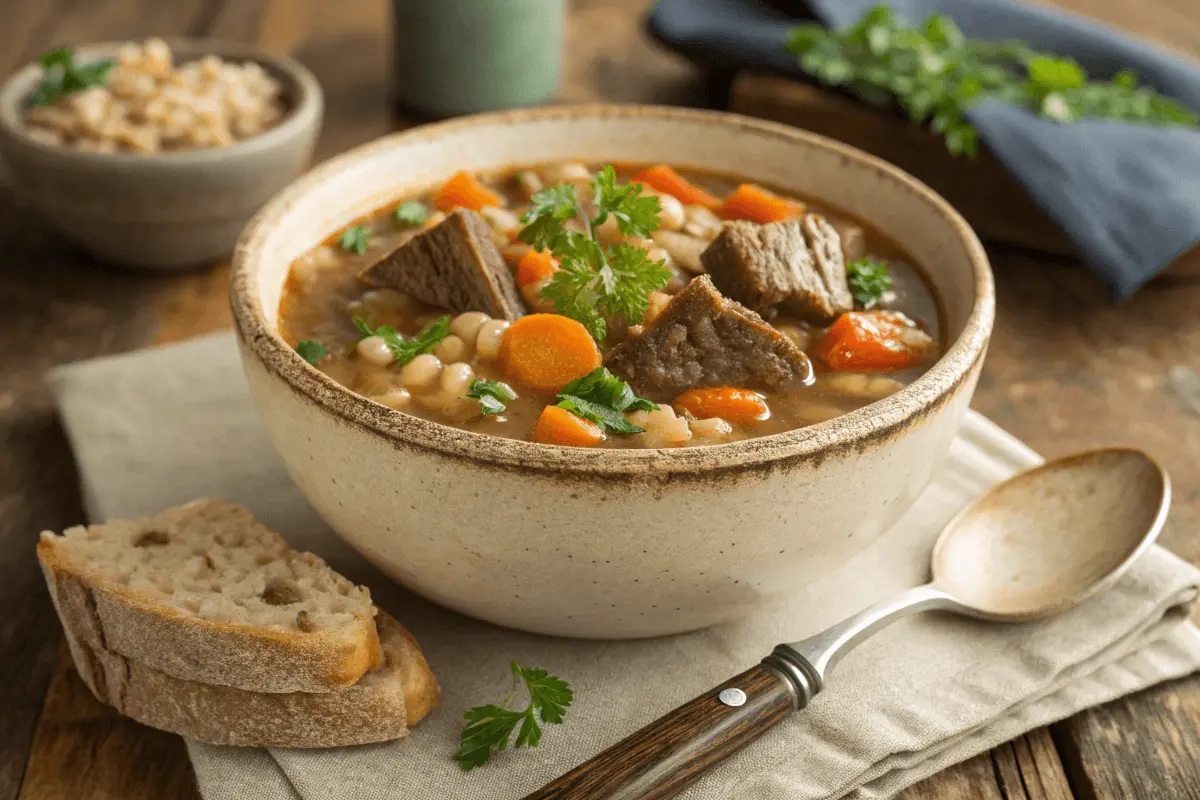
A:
x,y
166,211
607,543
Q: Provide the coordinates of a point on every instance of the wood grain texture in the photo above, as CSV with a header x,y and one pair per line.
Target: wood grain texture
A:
x,y
660,760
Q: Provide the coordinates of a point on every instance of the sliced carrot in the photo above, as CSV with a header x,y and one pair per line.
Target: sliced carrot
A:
x,y
666,180
758,205
874,341
535,266
464,190
727,402
559,426
547,351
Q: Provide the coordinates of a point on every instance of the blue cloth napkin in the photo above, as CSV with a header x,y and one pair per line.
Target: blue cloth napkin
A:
x,y
1127,195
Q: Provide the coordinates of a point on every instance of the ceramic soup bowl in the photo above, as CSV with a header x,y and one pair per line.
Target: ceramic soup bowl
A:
x,y
607,543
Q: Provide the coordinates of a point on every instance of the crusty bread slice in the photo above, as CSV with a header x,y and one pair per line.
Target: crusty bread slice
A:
x,y
383,705
204,593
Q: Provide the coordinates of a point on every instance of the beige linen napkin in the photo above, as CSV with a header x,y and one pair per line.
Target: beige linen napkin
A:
x,y
161,427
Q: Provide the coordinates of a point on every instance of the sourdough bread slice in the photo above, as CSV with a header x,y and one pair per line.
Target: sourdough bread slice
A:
x,y
204,593
383,705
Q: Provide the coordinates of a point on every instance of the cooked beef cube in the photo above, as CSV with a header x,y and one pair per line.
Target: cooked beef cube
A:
x,y
702,339
795,266
453,265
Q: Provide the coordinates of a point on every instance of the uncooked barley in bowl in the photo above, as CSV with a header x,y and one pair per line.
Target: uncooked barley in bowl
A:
x,y
143,103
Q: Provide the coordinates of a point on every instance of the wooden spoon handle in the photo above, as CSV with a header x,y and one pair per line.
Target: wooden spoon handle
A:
x,y
662,758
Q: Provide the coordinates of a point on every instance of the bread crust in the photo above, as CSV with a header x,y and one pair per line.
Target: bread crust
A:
x,y
124,622
380,707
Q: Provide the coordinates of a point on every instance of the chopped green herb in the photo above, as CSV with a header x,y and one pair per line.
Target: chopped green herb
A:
x,y
311,351
493,396
936,75
868,279
603,398
596,282
413,213
490,727
354,239
405,350
63,76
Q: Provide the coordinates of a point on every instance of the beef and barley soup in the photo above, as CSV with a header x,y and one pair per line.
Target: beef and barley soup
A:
x,y
607,306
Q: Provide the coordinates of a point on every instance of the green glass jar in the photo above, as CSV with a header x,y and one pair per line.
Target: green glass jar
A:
x,y
461,56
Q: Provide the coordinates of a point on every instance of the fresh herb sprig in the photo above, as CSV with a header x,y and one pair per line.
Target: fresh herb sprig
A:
x,y
404,349
595,282
354,239
493,396
411,213
603,398
936,74
490,727
869,280
63,76
311,351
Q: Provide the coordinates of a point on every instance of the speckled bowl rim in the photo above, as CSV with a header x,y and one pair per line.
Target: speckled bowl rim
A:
x,y
303,88
855,431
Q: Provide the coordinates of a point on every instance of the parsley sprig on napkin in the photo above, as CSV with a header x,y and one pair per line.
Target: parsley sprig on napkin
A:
x,y
936,74
490,727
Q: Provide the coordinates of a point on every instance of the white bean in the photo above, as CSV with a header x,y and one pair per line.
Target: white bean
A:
x,y
664,429
711,428
375,350
421,372
501,219
800,337
702,222
530,183
671,215
685,250
491,333
457,378
397,398
566,172
452,348
466,325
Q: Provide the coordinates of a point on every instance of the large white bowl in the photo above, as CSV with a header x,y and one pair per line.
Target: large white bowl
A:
x,y
607,543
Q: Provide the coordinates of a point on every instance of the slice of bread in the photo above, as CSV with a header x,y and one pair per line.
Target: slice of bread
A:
x,y
383,705
204,593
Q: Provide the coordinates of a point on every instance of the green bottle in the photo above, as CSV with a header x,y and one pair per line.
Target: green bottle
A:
x,y
461,56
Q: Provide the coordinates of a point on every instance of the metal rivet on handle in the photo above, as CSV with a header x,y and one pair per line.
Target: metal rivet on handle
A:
x,y
732,697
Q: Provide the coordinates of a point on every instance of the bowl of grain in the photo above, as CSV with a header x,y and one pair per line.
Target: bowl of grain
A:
x,y
154,155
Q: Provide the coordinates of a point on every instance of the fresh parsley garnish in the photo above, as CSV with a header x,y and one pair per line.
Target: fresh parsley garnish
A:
x,y
413,213
603,398
868,279
63,76
311,351
490,727
354,239
596,282
493,396
936,74
405,350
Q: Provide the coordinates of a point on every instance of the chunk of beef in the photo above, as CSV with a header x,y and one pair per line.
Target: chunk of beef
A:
x,y
453,265
795,266
702,339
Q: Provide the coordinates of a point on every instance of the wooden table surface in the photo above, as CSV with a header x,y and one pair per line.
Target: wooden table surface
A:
x,y
1068,369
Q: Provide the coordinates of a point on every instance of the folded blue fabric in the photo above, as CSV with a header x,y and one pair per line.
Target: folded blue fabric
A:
x,y
1127,195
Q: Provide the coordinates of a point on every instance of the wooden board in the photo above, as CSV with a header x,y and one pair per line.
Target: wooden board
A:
x,y
1066,370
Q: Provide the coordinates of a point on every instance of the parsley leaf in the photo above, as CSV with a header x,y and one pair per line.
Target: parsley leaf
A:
x,y
490,727
868,280
405,350
595,282
413,213
354,239
936,74
61,75
493,396
603,397
311,351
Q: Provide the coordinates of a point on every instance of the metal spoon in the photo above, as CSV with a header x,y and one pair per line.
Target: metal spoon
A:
x,y
1034,545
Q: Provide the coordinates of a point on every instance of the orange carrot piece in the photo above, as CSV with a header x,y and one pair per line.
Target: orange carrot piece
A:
x,y
559,426
873,341
464,190
758,205
535,265
663,179
727,402
547,351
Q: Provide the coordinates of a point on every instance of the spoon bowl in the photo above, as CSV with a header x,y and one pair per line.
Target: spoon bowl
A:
x,y
1052,536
